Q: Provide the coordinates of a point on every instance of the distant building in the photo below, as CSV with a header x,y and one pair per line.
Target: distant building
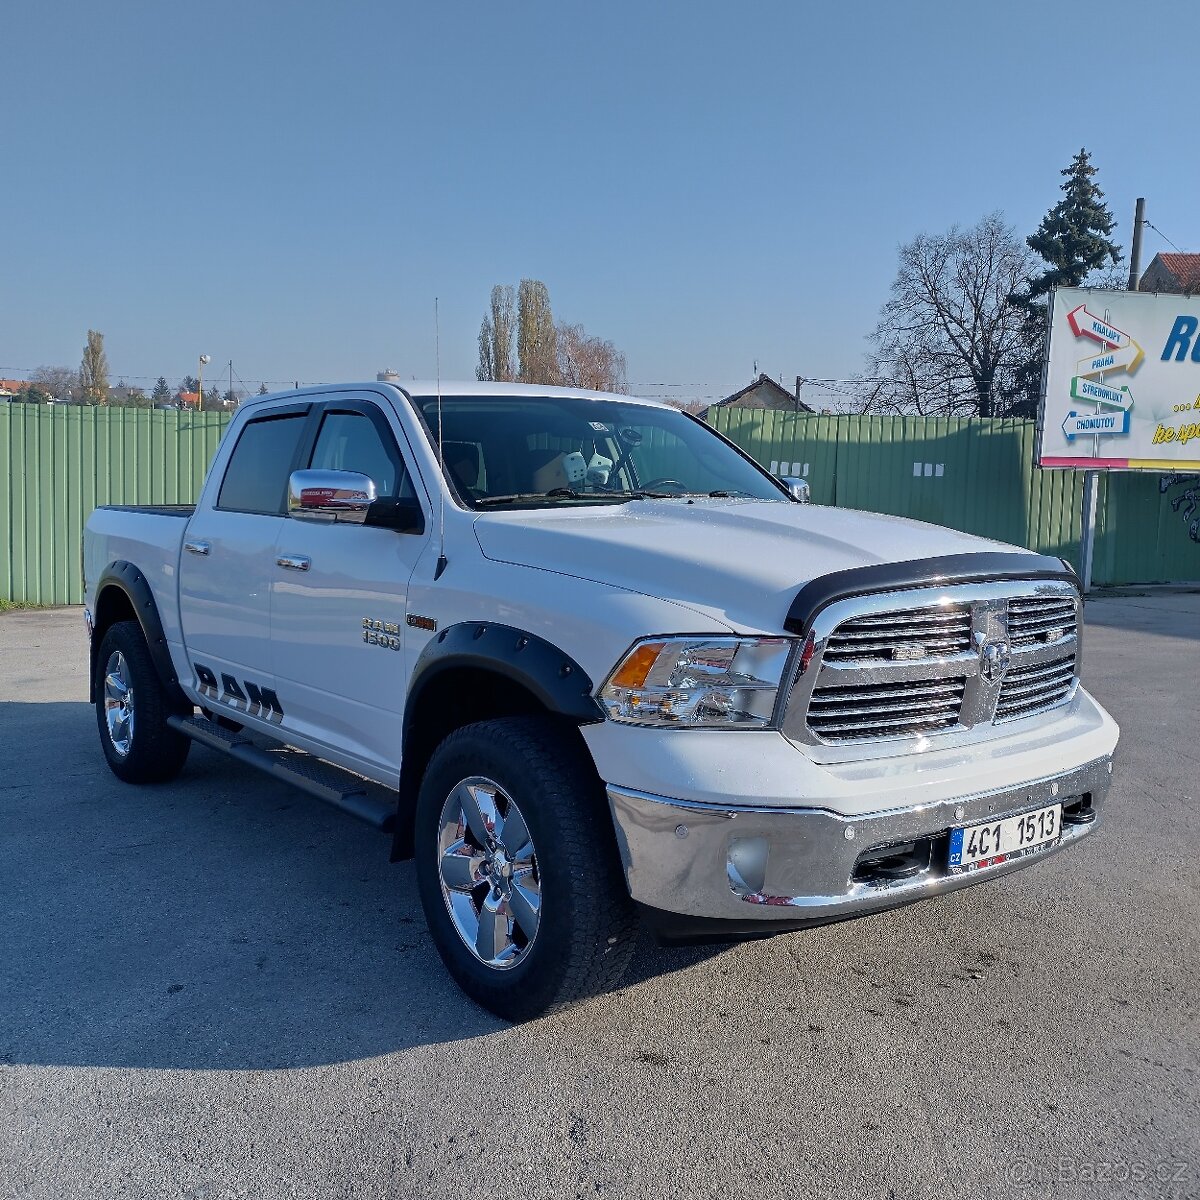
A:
x,y
1178,274
764,392
123,395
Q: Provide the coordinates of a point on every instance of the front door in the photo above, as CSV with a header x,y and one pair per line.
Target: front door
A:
x,y
338,603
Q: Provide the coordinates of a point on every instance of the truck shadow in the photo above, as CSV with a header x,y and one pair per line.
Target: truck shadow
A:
x,y
223,921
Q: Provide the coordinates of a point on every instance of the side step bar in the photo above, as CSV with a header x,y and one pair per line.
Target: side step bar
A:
x,y
370,802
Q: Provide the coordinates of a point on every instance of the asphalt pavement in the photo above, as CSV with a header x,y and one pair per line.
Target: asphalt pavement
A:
x,y
220,988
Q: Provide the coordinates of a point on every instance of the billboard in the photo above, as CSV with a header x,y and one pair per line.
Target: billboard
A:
x,y
1122,382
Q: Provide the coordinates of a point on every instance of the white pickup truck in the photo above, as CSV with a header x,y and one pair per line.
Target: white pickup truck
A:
x,y
592,666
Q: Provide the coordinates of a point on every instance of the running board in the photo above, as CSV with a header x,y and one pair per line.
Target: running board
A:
x,y
370,802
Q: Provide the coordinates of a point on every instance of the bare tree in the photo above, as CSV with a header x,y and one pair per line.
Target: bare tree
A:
x,y
948,340
60,383
537,350
588,362
93,370
496,337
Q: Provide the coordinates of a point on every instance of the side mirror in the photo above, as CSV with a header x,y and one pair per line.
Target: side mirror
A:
x,y
404,515
798,487
343,496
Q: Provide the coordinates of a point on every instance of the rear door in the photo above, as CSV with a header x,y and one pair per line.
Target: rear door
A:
x,y
338,606
227,564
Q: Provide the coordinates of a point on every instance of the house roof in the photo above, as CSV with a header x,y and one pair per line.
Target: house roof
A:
x,y
1185,268
763,381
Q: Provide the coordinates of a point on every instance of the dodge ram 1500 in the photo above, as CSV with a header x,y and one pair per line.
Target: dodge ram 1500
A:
x,y
590,665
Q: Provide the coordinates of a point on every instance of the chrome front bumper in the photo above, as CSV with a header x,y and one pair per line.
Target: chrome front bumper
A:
x,y
810,865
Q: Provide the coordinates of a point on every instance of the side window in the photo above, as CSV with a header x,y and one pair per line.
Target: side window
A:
x,y
257,476
350,441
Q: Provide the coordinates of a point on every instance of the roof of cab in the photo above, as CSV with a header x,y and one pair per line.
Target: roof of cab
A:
x,y
427,388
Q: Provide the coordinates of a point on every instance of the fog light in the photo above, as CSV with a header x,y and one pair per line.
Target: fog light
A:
x,y
746,865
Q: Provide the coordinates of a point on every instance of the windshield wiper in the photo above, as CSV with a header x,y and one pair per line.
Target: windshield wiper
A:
x,y
558,493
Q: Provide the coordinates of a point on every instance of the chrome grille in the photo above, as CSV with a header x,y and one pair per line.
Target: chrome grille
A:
x,y
885,710
1037,619
902,636
1027,690
949,660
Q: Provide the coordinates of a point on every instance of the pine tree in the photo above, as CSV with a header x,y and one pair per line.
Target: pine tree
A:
x,y
162,392
262,389
1074,241
1074,236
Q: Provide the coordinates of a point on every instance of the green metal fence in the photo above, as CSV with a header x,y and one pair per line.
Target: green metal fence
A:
x,y
979,476
59,462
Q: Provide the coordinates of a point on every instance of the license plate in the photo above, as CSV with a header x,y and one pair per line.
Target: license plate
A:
x,y
976,846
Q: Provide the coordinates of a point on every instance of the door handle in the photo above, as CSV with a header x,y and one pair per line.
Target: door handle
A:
x,y
294,562
197,547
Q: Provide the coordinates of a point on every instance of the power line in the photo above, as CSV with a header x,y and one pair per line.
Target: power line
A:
x,y
1150,225
27,371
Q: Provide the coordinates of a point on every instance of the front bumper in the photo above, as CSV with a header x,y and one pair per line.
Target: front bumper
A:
x,y
779,867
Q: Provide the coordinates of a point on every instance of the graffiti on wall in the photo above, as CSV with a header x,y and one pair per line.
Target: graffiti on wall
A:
x,y
1186,501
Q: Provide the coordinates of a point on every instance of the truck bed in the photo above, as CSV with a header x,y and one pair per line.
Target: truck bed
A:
x,y
147,535
157,510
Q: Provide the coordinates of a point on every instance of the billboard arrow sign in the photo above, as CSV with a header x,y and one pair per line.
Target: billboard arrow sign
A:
x,y
1127,359
1086,324
1099,393
1089,424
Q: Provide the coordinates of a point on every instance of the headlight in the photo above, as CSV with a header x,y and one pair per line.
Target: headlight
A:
x,y
694,682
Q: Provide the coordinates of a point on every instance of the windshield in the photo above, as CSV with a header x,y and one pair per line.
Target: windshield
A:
x,y
534,451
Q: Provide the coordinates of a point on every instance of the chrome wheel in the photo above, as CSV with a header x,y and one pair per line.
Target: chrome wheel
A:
x,y
118,703
488,871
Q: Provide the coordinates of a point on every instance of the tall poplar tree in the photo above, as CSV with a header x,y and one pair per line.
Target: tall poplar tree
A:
x,y
496,337
537,340
93,370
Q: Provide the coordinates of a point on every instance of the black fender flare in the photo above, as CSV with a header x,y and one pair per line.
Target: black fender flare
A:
x,y
558,683
129,580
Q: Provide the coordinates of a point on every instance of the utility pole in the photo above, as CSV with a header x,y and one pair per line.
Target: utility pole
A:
x,y
204,358
229,397
799,385
1135,254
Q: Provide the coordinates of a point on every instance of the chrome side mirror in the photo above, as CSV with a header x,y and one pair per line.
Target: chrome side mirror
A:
x,y
798,487
342,496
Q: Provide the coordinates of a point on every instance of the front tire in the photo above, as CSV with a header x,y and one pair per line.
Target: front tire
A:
x,y
518,870
132,707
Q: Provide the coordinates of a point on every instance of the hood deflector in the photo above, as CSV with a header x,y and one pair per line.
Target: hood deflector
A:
x,y
919,573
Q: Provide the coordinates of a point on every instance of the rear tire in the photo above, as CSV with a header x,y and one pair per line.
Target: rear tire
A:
x,y
518,869
132,707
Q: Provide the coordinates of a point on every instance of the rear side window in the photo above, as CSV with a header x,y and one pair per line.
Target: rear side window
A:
x,y
257,476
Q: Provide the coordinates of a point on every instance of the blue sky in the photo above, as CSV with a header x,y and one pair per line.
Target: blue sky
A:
x,y
290,184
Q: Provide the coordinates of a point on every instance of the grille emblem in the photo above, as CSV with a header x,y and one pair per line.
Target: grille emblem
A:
x,y
994,661
908,650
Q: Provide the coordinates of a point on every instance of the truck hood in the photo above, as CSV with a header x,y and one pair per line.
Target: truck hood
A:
x,y
740,562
